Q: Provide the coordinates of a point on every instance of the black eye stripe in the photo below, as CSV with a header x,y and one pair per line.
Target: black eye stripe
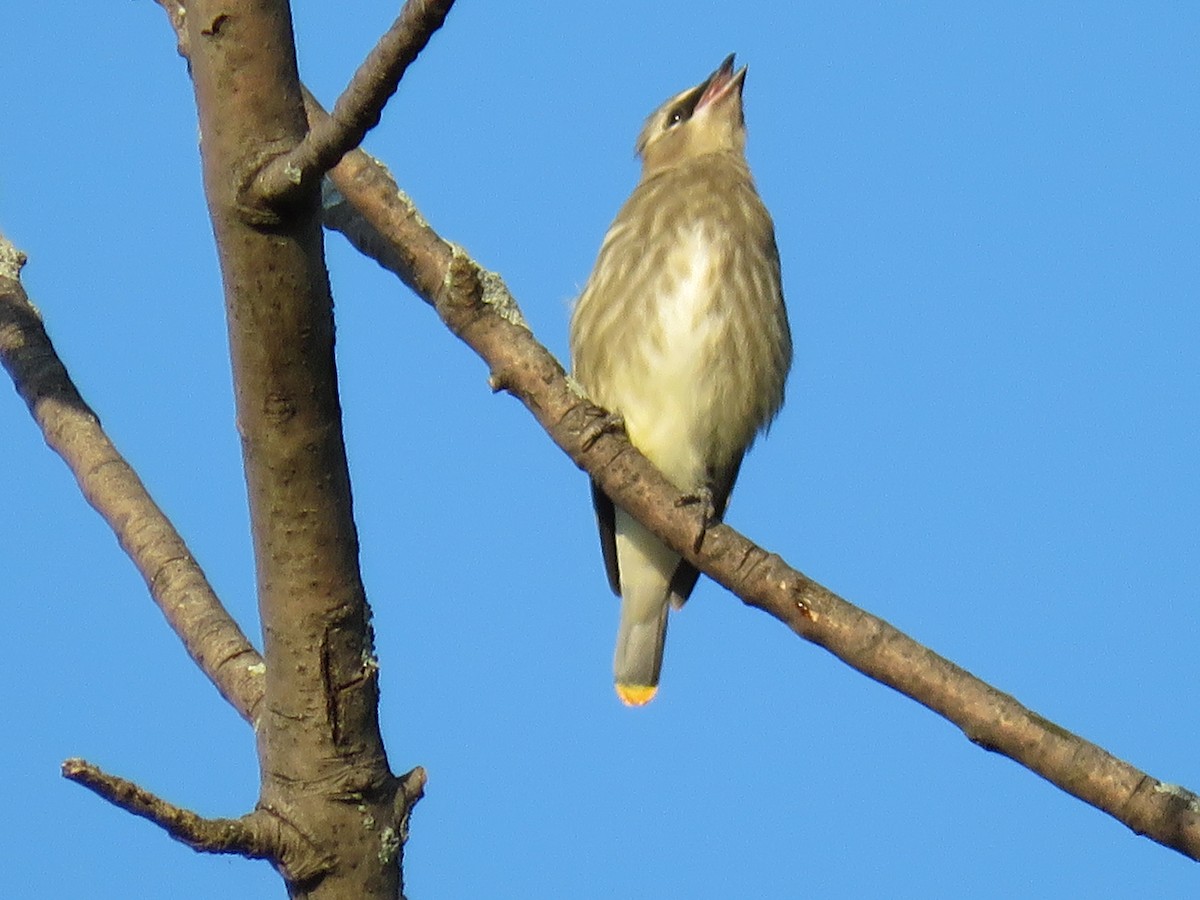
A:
x,y
682,111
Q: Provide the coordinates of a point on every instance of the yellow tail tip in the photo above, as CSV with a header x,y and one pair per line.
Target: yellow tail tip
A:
x,y
636,694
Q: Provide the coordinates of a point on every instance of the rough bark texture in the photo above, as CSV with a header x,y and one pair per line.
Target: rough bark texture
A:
x,y
324,771
330,816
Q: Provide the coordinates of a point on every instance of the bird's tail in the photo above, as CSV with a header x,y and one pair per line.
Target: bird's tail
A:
x,y
646,566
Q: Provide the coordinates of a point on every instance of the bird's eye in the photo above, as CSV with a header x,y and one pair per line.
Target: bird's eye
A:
x,y
683,109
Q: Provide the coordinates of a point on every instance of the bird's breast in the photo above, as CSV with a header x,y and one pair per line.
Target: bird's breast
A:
x,y
684,315
681,328
666,391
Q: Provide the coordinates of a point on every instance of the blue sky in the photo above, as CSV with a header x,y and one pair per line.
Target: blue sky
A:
x,y
988,220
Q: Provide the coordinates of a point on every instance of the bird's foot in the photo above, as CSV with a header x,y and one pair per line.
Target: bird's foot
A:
x,y
598,425
702,498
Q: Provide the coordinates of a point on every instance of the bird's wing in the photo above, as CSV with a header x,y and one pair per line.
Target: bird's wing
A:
x,y
606,521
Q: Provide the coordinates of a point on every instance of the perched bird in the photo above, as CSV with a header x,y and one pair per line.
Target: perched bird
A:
x,y
682,332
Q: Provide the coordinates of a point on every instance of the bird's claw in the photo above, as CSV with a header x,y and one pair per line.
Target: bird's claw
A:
x,y
599,425
703,499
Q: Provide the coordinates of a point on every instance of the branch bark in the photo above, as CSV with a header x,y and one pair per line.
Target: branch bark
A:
x,y
73,431
359,108
474,304
323,766
257,835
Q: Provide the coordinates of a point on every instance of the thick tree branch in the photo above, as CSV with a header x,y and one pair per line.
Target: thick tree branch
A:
x,y
324,770
476,307
70,427
359,108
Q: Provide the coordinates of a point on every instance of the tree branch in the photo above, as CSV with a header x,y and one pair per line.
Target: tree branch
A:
x,y
474,304
72,430
411,788
258,835
359,108
239,836
321,756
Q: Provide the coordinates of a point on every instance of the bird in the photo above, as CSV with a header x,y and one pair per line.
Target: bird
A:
x,y
681,333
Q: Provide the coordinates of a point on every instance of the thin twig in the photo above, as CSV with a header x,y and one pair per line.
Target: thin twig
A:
x,y
359,108
257,835
243,836
176,582
410,790
477,308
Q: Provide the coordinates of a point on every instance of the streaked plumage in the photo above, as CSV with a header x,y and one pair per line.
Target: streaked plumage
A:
x,y
681,330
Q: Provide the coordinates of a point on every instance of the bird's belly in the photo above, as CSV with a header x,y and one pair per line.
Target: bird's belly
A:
x,y
670,392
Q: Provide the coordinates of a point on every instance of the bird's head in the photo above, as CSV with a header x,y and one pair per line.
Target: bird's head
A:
x,y
704,119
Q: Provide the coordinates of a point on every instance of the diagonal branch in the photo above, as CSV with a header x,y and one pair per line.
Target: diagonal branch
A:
x,y
176,582
359,108
475,306
257,835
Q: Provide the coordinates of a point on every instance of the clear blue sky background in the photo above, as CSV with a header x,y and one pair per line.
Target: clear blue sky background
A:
x,y
989,220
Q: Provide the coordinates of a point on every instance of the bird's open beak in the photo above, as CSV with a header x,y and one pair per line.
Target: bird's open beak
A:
x,y
722,83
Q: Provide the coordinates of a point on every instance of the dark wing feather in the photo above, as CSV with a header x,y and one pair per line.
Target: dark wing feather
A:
x,y
606,521
683,582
